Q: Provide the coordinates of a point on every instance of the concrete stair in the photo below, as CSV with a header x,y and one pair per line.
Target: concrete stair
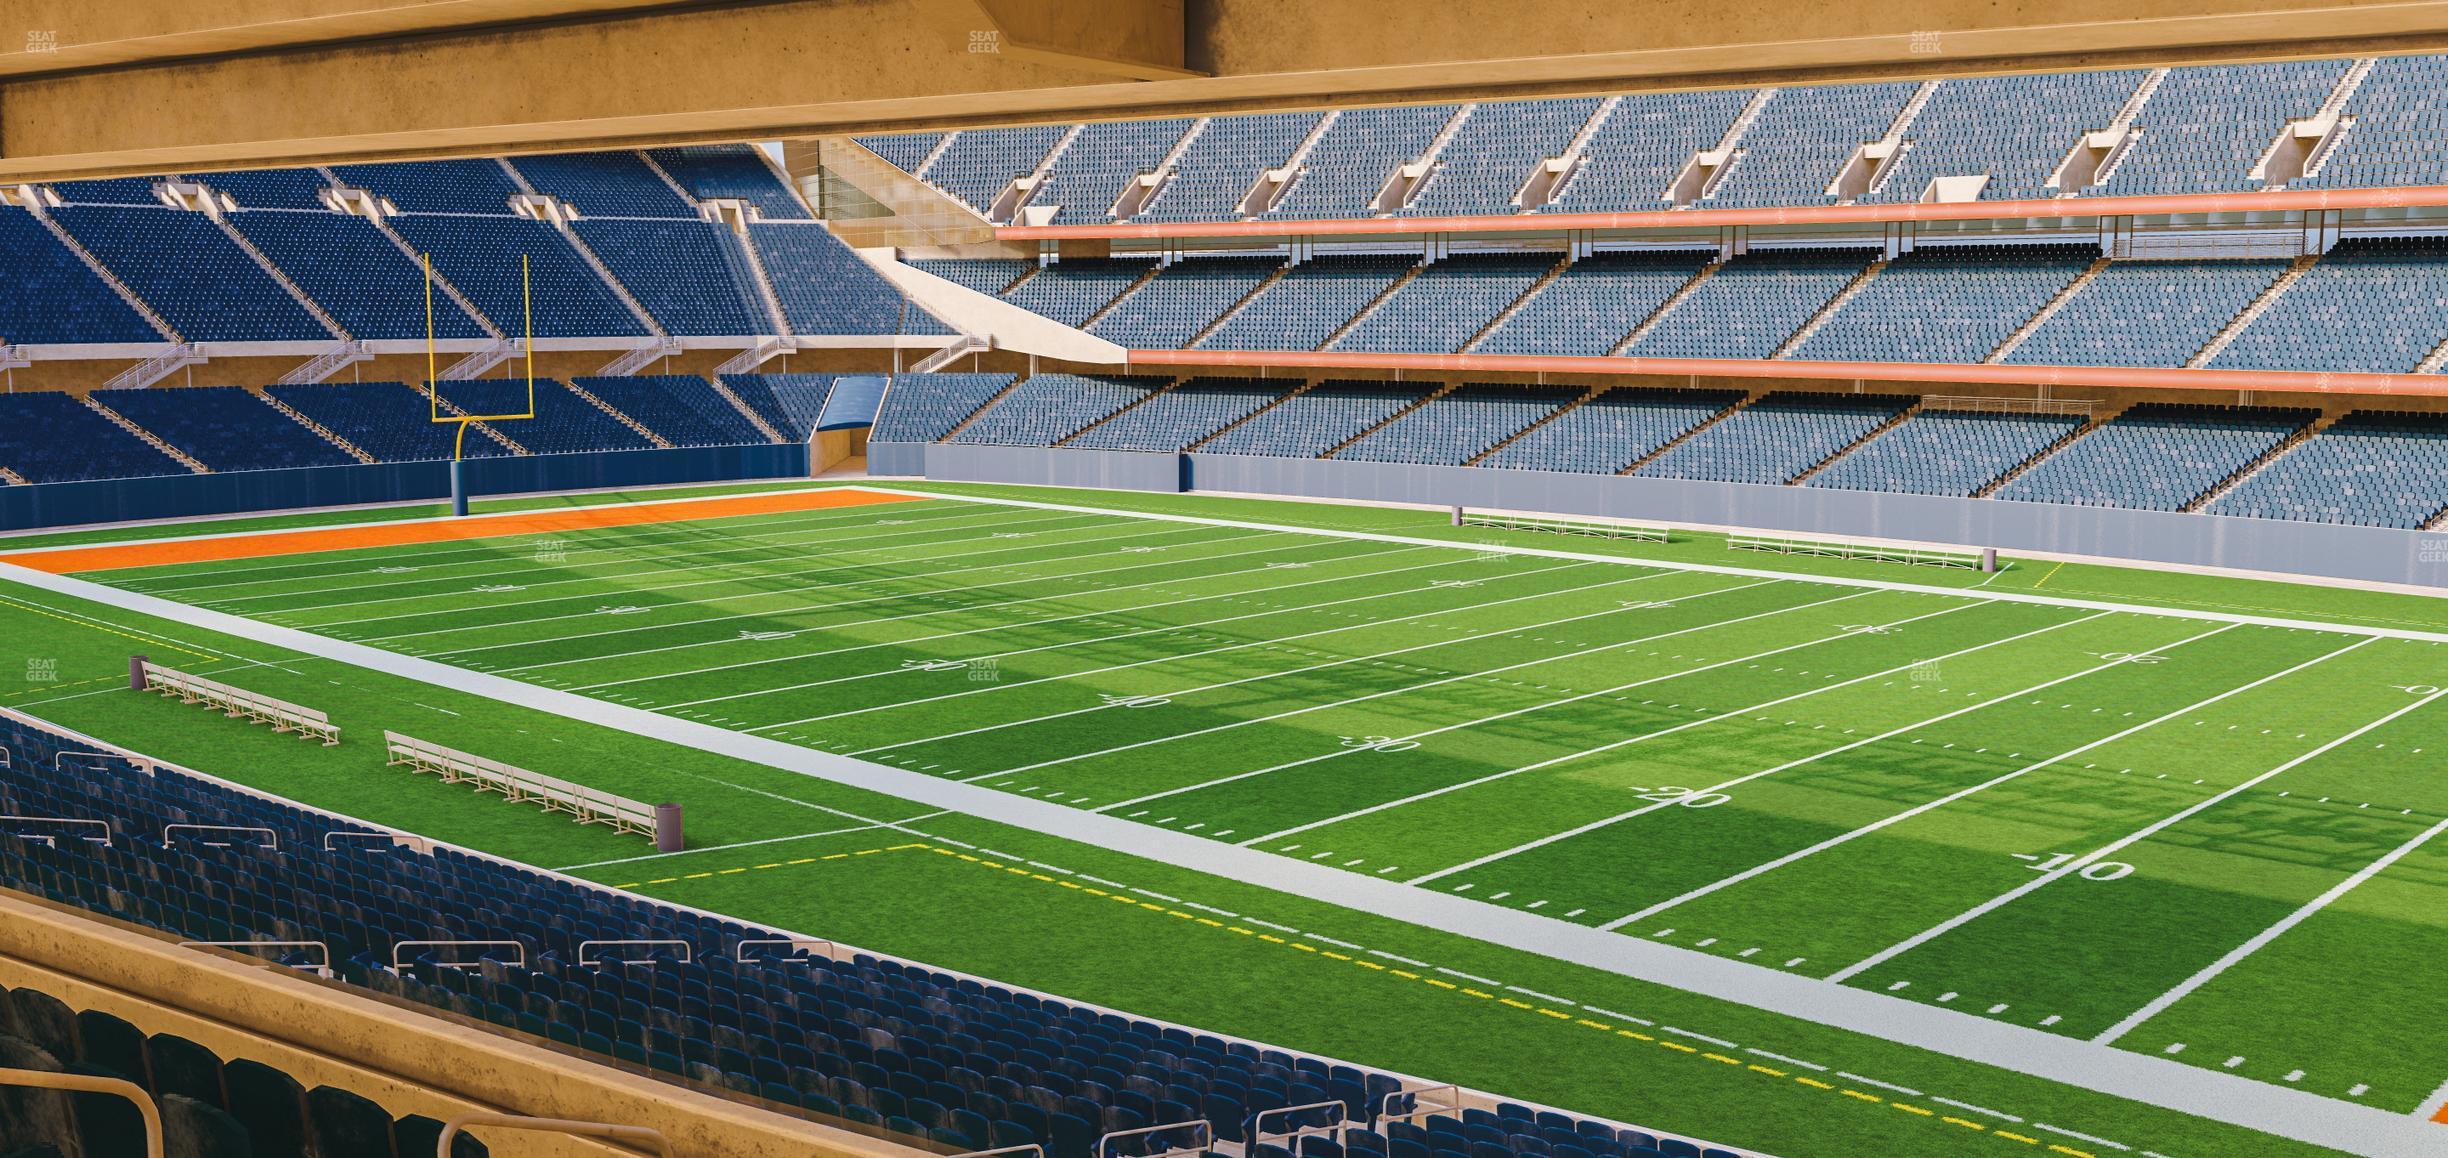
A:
x,y
1524,432
325,433
1362,314
1854,445
1513,307
1664,310
1688,435
2089,274
2269,296
746,411
151,439
615,412
1431,396
2274,453
1834,304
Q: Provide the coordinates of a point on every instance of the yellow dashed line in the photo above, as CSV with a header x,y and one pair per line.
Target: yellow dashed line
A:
x,y
1678,1047
1517,1004
733,872
1815,1083
1634,1034
1765,1070
1067,884
1914,1110
1270,937
776,864
1210,924
144,639
662,880
1591,1024
1862,1096
1431,981
1404,973
1718,1057
2068,1150
1969,1125
2025,1138
802,860
1242,931
697,876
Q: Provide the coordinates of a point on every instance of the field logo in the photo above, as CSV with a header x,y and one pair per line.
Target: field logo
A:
x,y
42,670
552,552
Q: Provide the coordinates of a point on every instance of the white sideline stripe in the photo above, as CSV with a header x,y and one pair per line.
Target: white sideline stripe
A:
x,y
1716,569
2172,1085
1482,673
591,539
2185,989
1730,714
1293,609
678,604
726,847
1090,591
889,554
1984,786
1814,757
1464,609
1543,705
2144,833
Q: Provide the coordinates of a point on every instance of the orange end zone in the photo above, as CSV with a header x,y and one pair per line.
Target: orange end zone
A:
x,y
72,559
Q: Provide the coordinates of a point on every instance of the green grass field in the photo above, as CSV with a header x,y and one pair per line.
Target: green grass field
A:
x,y
2177,834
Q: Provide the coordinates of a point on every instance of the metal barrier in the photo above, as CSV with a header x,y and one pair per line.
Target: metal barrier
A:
x,y
269,835
688,952
739,952
323,970
396,964
84,1084
635,1135
1259,1134
1452,1104
1205,1128
140,763
104,840
415,843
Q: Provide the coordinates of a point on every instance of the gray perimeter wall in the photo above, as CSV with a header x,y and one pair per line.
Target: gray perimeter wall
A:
x,y
2311,549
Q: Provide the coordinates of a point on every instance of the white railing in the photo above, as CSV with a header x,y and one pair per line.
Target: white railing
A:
x,y
1974,402
739,952
519,785
1201,1128
10,823
688,952
239,703
399,952
271,838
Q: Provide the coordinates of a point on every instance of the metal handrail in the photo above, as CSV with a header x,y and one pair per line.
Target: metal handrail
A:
x,y
640,1135
167,829
142,763
1201,1124
104,825
87,1084
1385,1103
739,952
1029,1148
1259,1134
396,964
418,843
324,970
688,952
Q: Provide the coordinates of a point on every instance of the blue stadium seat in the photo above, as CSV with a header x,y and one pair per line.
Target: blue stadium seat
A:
x,y
690,275
2156,456
50,436
2374,468
459,185
731,172
1303,307
225,428
53,296
926,407
683,408
1171,421
191,273
1459,426
1946,452
1609,433
2377,305
357,275
1775,438
1047,408
1449,302
827,289
614,183
1752,304
392,421
481,256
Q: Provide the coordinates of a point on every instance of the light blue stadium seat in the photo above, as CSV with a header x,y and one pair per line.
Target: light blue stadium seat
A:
x,y
1070,291
1173,420
2208,124
1752,304
1642,146
1945,303
1448,303
925,407
2373,305
1315,421
827,289
1946,452
1482,169
1595,304
1350,164
2399,112
2156,456
1087,178
1222,164
1800,141
731,172
2375,468
1609,433
1047,408
1302,308
1182,300
2146,313
2013,129
1775,438
1461,425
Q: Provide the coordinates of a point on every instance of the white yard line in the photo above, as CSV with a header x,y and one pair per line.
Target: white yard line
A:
x,y
2111,848
1068,577
2234,956
1977,789
1722,785
1713,569
1541,706
2052,1057
1734,714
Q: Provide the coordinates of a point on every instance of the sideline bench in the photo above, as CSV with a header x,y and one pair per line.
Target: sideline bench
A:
x,y
1874,552
1636,531
237,702
519,785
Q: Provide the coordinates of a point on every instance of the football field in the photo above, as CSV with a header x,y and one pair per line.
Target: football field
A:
x,y
2205,836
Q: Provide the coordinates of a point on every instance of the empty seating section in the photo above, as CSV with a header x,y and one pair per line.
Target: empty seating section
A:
x,y
617,183
731,172
2012,129
1447,304
1315,421
1490,156
2375,468
1776,438
2378,305
481,257
1641,147
270,188
2156,456
359,276
1171,421
1609,433
827,289
225,428
1793,150
462,185
2146,313
1179,302
1048,408
1222,163
1350,164
2207,125
564,423
790,403
980,164
1088,178
985,275
2399,112
108,191
49,436
53,296
686,273
683,408
905,151
1946,452
1305,305
925,407
1752,304
1594,303
191,273
1461,425
1945,304
1070,291
392,421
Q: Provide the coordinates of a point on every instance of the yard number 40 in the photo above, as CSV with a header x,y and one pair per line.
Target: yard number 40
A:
x,y
2105,870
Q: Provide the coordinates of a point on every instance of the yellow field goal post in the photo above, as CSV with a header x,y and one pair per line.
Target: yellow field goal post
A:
x,y
433,379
